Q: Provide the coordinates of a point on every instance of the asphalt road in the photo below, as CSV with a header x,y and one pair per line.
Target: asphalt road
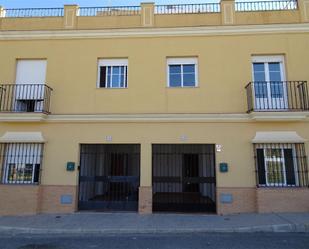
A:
x,y
166,241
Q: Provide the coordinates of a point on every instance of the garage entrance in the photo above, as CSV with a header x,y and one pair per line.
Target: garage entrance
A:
x,y
184,178
109,177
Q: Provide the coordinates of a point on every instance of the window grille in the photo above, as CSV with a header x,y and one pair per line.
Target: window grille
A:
x,y
21,163
281,165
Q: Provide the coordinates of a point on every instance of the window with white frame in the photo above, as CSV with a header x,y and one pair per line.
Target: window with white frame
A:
x,y
281,165
182,72
270,87
113,73
21,163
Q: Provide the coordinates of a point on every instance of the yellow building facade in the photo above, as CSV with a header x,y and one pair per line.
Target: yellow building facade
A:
x,y
179,108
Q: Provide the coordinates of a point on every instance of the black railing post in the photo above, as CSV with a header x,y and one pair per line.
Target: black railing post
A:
x,y
303,94
274,96
25,98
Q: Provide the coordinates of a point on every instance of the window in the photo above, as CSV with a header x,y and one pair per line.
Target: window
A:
x,y
30,90
270,88
113,73
182,72
21,163
280,165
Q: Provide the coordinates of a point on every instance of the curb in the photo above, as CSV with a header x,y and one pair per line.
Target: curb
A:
x,y
281,228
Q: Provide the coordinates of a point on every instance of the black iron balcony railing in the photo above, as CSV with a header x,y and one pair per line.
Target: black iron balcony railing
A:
x,y
25,98
266,5
202,8
271,96
110,11
34,12
187,8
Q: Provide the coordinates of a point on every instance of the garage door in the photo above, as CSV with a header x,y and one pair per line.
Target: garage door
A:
x,y
109,177
184,178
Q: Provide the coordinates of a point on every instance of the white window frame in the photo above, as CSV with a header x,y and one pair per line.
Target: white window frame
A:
x,y
281,160
18,165
267,159
182,61
112,63
30,90
267,60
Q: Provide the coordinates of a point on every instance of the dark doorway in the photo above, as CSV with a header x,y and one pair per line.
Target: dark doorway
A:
x,y
190,171
184,178
109,177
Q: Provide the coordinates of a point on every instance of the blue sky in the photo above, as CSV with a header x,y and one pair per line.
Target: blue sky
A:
x,y
60,3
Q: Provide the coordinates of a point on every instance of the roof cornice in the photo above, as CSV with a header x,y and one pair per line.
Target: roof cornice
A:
x,y
156,32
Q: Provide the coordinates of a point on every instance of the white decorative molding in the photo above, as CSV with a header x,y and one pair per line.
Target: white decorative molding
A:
x,y
279,116
147,17
228,13
22,117
153,118
306,10
156,32
69,18
157,118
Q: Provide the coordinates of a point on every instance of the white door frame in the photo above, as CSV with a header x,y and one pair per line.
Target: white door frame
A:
x,y
269,102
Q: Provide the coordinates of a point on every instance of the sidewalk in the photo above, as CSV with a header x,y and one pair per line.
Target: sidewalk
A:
x,y
115,223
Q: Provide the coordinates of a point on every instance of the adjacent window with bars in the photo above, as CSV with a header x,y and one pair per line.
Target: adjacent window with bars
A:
x,y
113,73
21,163
281,165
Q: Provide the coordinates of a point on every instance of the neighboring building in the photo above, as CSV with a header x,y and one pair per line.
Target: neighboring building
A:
x,y
182,108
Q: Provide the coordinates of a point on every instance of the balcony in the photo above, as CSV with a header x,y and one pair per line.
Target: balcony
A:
x,y
277,96
25,98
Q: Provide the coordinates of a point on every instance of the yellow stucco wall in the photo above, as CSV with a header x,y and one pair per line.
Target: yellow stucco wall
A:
x,y
268,17
63,141
187,20
99,22
44,23
224,64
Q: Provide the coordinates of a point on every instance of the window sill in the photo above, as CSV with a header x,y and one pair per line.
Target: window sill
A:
x,y
281,187
22,117
279,116
19,184
111,88
182,87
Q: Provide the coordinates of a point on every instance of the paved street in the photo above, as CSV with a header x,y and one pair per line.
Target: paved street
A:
x,y
167,241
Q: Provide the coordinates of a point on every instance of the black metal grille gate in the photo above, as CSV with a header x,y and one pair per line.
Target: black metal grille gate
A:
x,y
109,177
184,178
